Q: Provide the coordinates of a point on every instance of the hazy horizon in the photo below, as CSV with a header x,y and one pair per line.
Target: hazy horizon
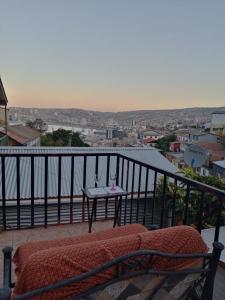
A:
x,y
113,56
121,111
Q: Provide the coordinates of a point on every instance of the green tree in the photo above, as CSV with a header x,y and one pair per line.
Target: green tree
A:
x,y
164,143
62,138
210,204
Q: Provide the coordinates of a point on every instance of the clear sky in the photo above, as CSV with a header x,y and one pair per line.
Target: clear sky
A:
x,y
113,55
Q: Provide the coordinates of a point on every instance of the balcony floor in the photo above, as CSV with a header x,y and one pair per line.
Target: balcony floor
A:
x,y
15,238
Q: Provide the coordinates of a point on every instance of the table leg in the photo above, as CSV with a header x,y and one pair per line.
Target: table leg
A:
x,y
91,215
117,210
88,213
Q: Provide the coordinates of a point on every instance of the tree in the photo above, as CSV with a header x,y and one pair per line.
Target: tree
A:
x,y
164,143
62,138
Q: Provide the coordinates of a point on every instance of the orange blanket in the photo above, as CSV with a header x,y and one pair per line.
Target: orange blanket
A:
x,y
54,264
24,251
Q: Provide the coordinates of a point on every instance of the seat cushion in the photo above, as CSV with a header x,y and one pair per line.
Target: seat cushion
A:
x,y
55,264
174,240
24,251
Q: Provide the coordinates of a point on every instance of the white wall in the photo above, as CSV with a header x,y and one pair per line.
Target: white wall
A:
x,y
218,119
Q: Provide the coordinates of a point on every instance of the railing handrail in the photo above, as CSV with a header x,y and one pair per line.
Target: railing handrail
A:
x,y
69,154
204,187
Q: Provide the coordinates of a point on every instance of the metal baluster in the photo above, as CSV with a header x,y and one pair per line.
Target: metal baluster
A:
x,y
107,184
127,183
84,186
59,187
218,219
122,173
96,167
46,191
154,196
117,169
186,204
163,201
32,190
132,193
174,202
139,193
71,189
96,173
3,193
146,195
199,220
18,190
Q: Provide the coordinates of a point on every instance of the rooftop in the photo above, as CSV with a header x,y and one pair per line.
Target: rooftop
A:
x,y
220,163
151,133
21,134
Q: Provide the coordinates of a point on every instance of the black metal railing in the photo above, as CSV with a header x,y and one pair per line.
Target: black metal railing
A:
x,y
45,188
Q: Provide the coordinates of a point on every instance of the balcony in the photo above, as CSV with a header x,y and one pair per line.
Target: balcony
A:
x,y
43,187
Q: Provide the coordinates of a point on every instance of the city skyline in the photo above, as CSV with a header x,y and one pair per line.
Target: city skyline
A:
x,y
113,55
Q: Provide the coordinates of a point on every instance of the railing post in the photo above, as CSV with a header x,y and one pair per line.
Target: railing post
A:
x,y
5,292
3,193
46,191
209,282
18,190
146,194
186,204
139,194
84,186
154,196
71,189
132,194
59,187
199,220
218,219
127,183
163,202
32,189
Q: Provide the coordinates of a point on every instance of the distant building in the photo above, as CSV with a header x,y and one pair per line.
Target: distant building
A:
x,y
149,142
150,134
218,123
182,135
133,123
175,147
176,158
19,135
216,151
197,135
113,133
218,168
109,133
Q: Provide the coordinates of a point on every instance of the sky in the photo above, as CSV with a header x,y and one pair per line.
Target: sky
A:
x,y
113,55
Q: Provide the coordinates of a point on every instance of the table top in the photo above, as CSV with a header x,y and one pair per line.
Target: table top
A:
x,y
104,192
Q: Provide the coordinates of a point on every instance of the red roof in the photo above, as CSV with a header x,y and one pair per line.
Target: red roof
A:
x,y
149,140
21,134
211,146
216,150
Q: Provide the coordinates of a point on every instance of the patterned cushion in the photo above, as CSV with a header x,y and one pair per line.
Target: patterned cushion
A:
x,y
145,286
